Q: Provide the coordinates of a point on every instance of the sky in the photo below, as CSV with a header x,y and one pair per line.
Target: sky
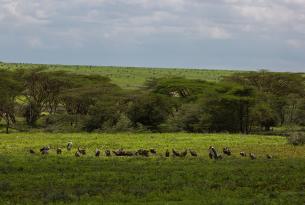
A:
x,y
214,34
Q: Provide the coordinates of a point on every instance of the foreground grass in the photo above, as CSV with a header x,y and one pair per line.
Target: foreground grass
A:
x,y
28,179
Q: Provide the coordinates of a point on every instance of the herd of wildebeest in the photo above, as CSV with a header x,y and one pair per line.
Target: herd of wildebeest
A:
x,y
213,154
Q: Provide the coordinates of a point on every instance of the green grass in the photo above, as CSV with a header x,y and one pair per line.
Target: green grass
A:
x,y
130,77
36,179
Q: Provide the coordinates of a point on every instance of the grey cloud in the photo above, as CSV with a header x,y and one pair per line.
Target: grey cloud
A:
x,y
240,31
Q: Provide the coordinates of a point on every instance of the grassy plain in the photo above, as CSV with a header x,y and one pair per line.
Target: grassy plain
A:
x,y
53,179
129,77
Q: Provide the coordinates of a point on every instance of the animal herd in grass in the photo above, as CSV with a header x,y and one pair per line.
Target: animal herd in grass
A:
x,y
212,153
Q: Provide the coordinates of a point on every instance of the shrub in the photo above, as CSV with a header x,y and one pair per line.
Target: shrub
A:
x,y
296,138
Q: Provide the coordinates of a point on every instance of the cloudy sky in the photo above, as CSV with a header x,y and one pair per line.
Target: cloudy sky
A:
x,y
237,34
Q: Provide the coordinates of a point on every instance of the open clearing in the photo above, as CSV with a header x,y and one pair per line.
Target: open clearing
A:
x,y
59,179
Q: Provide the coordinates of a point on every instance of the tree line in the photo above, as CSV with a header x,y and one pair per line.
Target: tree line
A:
x,y
58,101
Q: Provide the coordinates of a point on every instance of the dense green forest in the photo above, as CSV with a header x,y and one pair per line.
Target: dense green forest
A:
x,y
40,98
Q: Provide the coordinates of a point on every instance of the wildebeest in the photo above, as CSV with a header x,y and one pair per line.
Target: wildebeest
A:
x,y
69,146
58,151
252,156
167,153
107,153
193,153
97,152
243,154
227,151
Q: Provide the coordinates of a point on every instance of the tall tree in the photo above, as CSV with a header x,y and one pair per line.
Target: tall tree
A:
x,y
10,88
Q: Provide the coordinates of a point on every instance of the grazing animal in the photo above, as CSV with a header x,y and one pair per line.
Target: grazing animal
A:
x,y
269,156
252,156
243,154
82,151
176,154
227,151
167,153
193,153
69,146
78,154
184,153
153,151
107,153
213,153
58,151
32,151
97,152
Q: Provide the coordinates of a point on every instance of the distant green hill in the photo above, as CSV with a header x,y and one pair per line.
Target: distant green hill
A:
x,y
130,77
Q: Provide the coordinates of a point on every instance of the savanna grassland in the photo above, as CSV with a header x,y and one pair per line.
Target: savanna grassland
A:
x,y
128,77
57,179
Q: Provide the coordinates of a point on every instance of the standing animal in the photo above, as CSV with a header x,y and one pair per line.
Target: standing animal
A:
x,y
82,151
97,152
243,154
69,146
252,156
213,153
107,153
193,153
167,153
227,151
32,151
58,151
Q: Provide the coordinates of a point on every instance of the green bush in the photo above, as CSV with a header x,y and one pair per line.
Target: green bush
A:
x,y
296,138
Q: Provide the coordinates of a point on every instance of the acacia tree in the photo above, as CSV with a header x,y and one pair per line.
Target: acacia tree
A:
x,y
150,110
276,89
42,92
10,88
84,92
